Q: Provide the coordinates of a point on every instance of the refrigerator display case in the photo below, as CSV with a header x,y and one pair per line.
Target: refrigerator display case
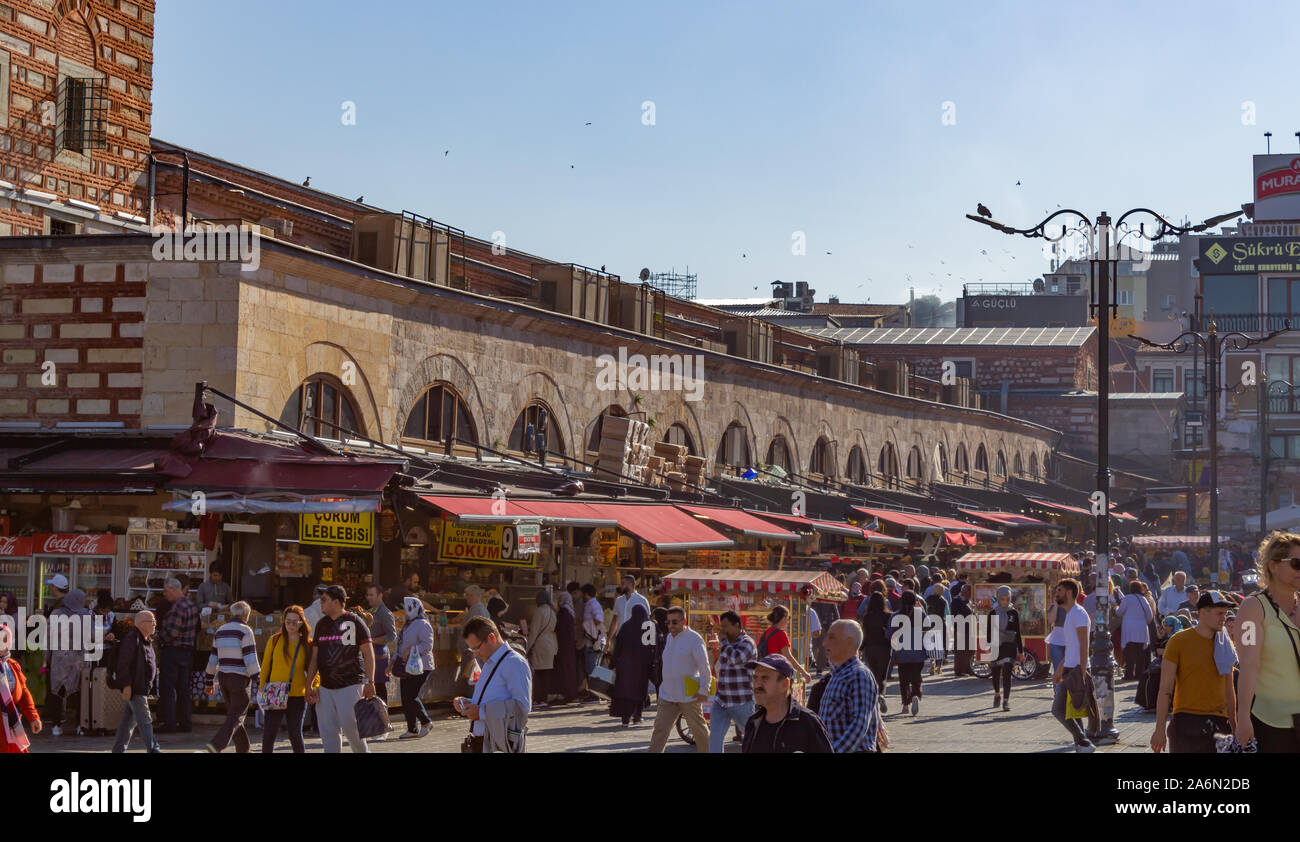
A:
x,y
88,561
16,571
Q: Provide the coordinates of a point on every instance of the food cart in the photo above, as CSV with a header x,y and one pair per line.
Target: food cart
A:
x,y
753,594
1032,578
1168,543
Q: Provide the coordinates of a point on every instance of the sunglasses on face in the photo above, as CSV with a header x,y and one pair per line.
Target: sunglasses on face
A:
x,y
1293,560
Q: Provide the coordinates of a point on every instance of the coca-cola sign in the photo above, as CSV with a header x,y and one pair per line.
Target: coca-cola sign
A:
x,y
15,546
75,544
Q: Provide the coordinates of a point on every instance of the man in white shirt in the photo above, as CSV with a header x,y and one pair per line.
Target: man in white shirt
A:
x,y
1174,595
502,698
1076,628
623,605
684,658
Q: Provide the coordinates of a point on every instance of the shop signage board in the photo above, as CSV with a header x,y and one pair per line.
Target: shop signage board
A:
x,y
489,543
340,529
1277,188
528,538
1249,255
74,543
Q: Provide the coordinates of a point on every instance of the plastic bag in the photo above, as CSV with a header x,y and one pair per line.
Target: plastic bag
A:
x,y
414,663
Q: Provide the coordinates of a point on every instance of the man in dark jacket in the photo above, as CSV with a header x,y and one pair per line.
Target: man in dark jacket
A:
x,y
133,676
780,725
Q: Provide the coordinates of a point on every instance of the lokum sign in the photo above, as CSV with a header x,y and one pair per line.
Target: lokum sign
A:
x,y
484,544
338,529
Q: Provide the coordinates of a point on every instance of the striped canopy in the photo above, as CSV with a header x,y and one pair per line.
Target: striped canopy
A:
x,y
1175,540
1064,562
748,581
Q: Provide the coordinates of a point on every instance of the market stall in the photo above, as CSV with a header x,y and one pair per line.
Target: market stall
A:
x,y
1174,541
1032,578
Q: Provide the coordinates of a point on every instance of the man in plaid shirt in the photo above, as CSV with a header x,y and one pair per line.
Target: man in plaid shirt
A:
x,y
849,706
176,637
734,701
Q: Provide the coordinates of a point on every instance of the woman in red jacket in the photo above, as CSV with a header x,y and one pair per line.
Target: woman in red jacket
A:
x,y
16,701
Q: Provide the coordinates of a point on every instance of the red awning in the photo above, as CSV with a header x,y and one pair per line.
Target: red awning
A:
x,y
664,527
1075,510
489,510
1064,562
831,527
741,521
1175,540
1114,512
925,523
748,581
1010,519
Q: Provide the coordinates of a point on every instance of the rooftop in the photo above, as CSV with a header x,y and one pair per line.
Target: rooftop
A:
x,y
988,337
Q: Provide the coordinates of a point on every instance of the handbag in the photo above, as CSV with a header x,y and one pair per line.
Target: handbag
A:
x,y
275,695
372,717
601,679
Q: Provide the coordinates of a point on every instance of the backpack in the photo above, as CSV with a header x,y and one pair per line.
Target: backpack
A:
x,y
761,646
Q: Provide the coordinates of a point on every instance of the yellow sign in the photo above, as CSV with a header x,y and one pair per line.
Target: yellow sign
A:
x,y
488,543
343,529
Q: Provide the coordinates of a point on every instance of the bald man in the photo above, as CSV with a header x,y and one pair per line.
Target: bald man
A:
x,y
137,666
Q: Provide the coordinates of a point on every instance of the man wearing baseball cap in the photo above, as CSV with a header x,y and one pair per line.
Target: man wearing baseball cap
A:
x,y
1196,681
59,584
780,725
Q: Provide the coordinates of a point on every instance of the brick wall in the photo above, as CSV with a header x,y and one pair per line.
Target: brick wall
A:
x,y
114,39
87,320
1031,368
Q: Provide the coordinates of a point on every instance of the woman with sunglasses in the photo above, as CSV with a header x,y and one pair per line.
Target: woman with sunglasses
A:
x,y
1268,698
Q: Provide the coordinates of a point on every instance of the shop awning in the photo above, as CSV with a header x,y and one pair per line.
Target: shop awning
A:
x,y
664,527
1010,519
64,463
824,585
242,504
925,523
959,539
490,510
1175,540
1075,510
1063,562
741,521
831,528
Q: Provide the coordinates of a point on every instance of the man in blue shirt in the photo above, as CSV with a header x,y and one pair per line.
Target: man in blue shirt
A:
x,y
503,695
849,707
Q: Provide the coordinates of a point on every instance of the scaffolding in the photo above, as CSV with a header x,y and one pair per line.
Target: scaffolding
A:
x,y
674,284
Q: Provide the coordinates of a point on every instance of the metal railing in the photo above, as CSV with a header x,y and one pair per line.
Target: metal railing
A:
x,y
1244,322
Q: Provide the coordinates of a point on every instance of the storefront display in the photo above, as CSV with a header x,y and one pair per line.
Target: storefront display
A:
x,y
81,557
157,549
16,570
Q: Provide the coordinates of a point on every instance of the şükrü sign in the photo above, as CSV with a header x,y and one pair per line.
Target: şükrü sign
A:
x,y
1249,255
343,529
487,544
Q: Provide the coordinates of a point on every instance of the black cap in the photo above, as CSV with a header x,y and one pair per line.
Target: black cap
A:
x,y
1214,599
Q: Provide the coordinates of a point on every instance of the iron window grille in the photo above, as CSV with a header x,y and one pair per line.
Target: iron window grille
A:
x,y
82,108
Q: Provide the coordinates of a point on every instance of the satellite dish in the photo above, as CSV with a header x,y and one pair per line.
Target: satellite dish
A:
x,y
1038,285
645,275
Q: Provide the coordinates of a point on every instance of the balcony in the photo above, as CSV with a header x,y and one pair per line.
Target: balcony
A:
x,y
1282,402
1245,322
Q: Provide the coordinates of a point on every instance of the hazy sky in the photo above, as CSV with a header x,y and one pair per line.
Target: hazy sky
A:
x,y
769,119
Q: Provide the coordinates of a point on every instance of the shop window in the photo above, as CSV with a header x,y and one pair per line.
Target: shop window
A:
x,y
439,416
733,450
323,398
539,417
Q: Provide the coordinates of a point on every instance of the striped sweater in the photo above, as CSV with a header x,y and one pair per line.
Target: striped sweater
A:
x,y
233,651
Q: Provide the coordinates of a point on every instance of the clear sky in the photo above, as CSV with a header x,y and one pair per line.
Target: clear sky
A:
x,y
769,119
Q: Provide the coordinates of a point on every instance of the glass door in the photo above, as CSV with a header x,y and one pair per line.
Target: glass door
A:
x,y
48,566
16,580
94,573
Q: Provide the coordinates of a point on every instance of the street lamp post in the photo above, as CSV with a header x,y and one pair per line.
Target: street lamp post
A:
x,y
1265,452
1103,239
1212,345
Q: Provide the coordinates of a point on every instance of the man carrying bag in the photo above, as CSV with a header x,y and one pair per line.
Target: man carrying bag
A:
x,y
502,699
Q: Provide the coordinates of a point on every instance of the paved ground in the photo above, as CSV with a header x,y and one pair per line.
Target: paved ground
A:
x,y
956,716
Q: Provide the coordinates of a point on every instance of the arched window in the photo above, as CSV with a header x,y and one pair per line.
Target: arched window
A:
x,y
538,415
1019,466
325,398
822,461
593,431
961,463
856,469
982,460
887,464
914,463
1000,465
733,450
941,460
778,454
439,415
1048,467
1033,465
678,434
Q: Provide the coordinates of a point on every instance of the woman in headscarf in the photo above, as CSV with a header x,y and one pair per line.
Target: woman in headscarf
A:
x,y
497,608
876,650
910,655
936,605
1150,576
564,678
542,648
632,658
416,639
16,703
1006,626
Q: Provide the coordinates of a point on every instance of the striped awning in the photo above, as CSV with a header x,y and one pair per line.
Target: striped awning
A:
x,y
824,585
1175,540
1064,562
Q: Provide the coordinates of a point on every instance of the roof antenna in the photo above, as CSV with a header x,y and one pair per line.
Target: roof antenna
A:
x,y
1297,137
1268,140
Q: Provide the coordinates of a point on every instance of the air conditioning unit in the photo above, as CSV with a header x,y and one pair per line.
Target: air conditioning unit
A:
x,y
753,339
400,245
838,363
632,307
574,291
282,227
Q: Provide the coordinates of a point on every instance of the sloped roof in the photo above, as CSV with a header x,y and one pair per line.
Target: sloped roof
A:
x,y
988,337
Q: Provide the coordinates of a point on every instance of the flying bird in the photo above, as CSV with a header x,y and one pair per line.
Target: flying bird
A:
x,y
983,211
1017,183
745,255
984,252
586,124
307,183
828,252
446,152
570,166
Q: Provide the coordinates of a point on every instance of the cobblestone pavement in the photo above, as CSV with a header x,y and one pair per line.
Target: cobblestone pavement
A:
x,y
956,715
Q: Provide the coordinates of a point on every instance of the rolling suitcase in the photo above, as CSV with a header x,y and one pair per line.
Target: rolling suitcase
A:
x,y
1149,688
101,705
